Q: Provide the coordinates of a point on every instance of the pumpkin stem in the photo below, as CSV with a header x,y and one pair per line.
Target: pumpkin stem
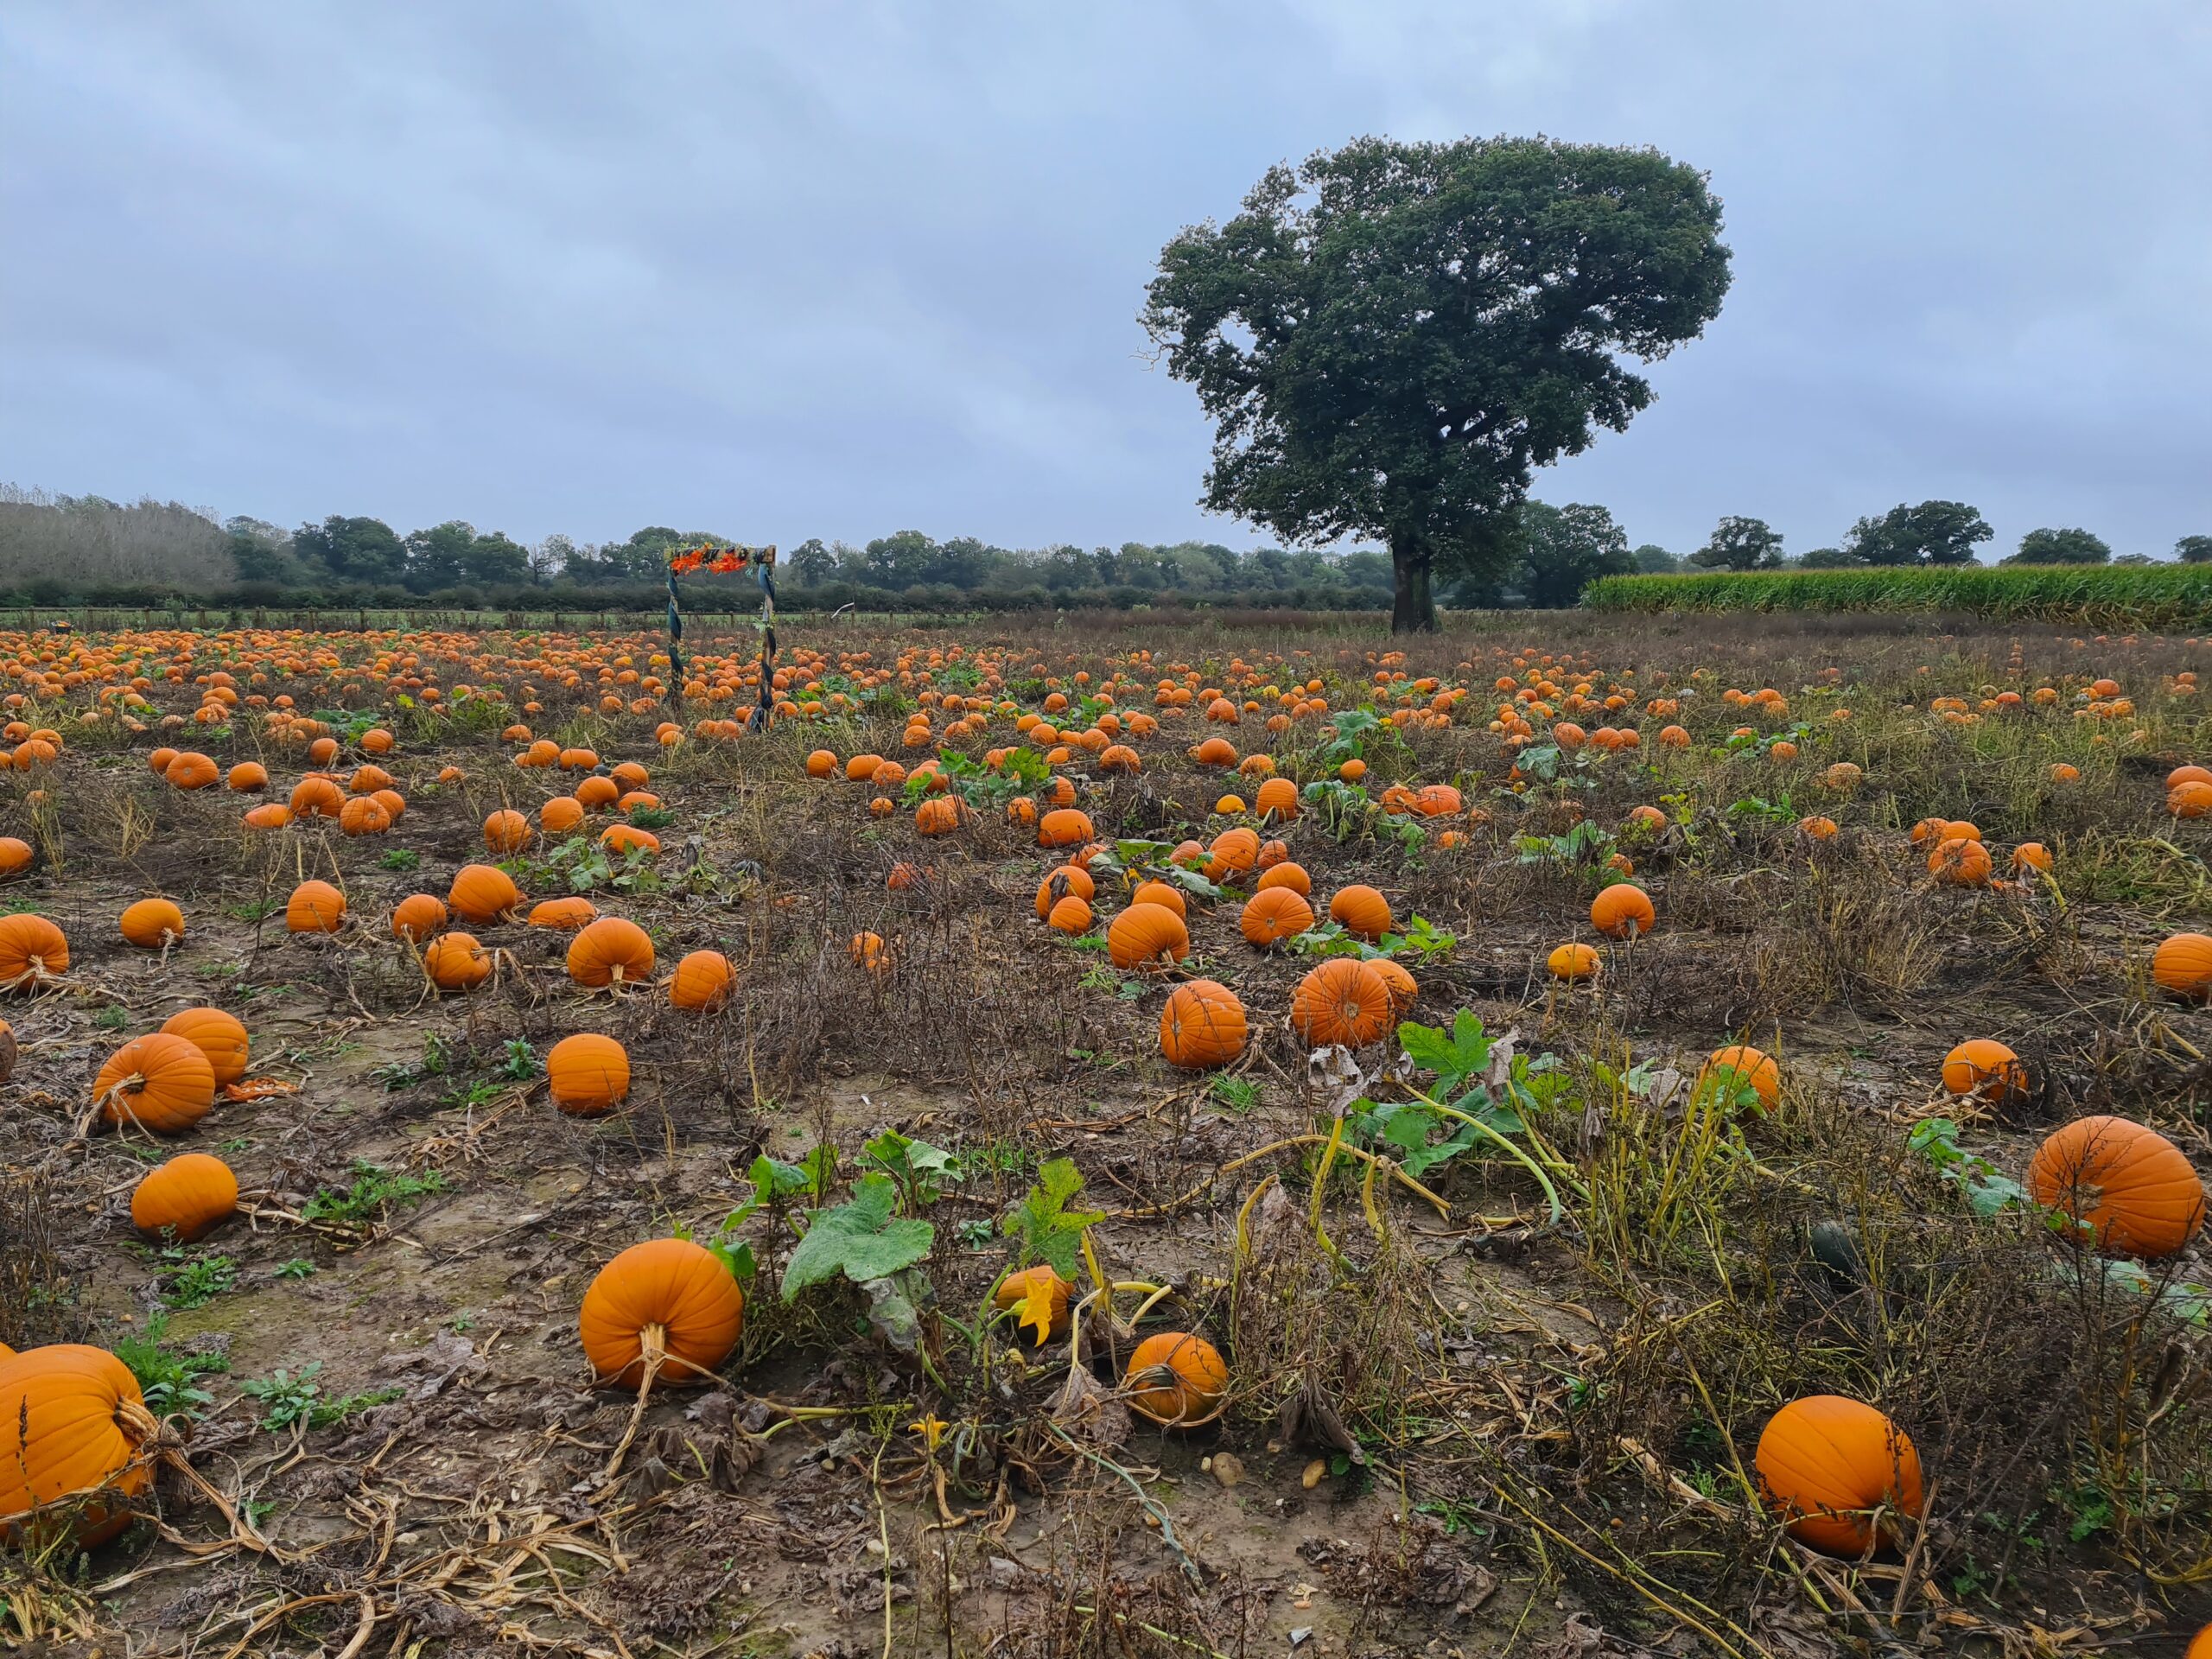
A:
x,y
652,1348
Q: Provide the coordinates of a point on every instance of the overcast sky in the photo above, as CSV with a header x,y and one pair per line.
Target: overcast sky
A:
x,y
823,269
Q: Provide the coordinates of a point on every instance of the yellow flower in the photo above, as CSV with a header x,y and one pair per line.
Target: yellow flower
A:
x,y
931,1429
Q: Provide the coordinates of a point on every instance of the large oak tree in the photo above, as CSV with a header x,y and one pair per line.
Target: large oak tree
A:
x,y
1391,337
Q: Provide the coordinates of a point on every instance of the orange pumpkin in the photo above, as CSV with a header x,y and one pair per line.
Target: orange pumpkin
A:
x,y
272,814
1984,1068
505,832
1068,880
937,815
701,983
192,770
1278,798
1361,911
1063,827
669,1298
364,815
1827,1465
593,793
564,915
1623,911
1342,1002
2189,799
1274,914
73,1423
152,923
455,961
2133,1190
1144,934
588,1074
1176,1379
821,763
14,855
1202,1026
1158,892
160,1082
2183,964
317,797
216,1034
1572,961
314,907
186,1197
611,951
1016,1289
247,776
1070,915
482,892
1738,1066
561,815
1402,986
871,951
417,916
1285,875
1960,862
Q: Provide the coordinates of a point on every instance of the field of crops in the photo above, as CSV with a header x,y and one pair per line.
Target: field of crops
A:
x,y
2176,598
1565,1139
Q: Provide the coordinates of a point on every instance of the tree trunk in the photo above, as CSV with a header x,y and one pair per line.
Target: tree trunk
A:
x,y
1414,610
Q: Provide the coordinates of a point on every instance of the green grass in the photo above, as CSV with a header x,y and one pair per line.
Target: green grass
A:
x,y
2163,596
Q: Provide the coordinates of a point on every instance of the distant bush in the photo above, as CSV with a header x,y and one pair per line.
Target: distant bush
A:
x,y
2104,596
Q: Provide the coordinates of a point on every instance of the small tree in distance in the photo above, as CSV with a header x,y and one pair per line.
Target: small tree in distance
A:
x,y
2061,547
1738,544
2194,549
1935,532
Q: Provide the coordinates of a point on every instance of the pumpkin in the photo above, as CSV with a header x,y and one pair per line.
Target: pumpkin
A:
x,y
2030,855
1572,961
1070,915
1146,933
1362,911
821,763
1986,1069
2183,964
314,907
273,815
161,1082
1622,912
1063,827
193,769
595,792
455,961
10,1052
1158,892
588,1074
152,923
417,916
611,950
32,950
2202,1646
364,815
870,951
862,767
1017,1288
1402,986
1342,1002
1827,1463
159,760
1203,1026
482,892
247,776
366,780
216,1034
186,1197
564,915
1817,827
317,797
2191,774
701,983
1278,798
579,759
1960,862
2191,798
1738,1066
1228,806
1233,852
1285,875
505,832
14,855
1274,914
668,1299
1070,880
621,837
937,815
560,815
1176,1379
73,1423
2134,1191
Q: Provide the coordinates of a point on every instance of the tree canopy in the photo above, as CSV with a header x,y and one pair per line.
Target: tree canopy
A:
x,y
1391,337
2061,547
1935,532
1740,544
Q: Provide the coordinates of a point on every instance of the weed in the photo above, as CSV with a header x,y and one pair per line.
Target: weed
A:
x,y
373,1191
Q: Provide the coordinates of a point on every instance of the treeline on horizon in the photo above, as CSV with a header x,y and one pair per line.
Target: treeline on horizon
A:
x,y
61,549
